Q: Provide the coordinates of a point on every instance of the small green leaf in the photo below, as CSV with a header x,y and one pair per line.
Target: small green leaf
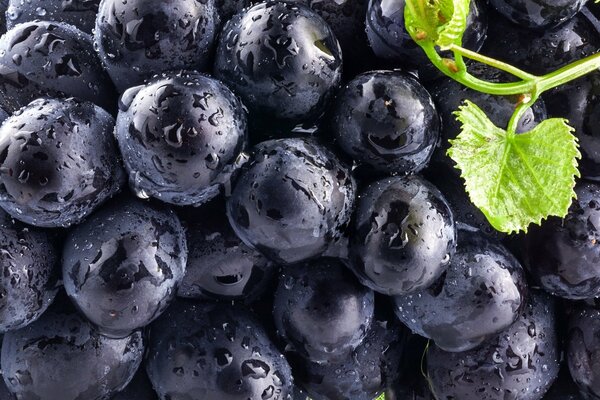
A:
x,y
381,397
436,22
516,180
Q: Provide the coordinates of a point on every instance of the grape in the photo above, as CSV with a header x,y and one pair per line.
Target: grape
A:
x,y
481,294
520,363
361,375
181,137
139,38
79,13
563,255
57,162
321,310
583,349
387,120
220,266
61,356
214,352
564,388
404,235
537,14
389,39
28,280
280,72
121,267
228,8
544,51
293,200
43,58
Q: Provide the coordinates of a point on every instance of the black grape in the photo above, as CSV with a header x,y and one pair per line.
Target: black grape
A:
x,y
58,162
43,58
544,51
292,200
482,293
215,352
583,351
389,39
281,73
538,14
139,38
122,266
321,310
387,120
28,282
61,356
79,13
404,235
520,363
181,136
564,255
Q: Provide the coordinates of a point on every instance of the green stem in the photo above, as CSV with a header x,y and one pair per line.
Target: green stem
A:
x,y
569,73
519,73
511,130
462,76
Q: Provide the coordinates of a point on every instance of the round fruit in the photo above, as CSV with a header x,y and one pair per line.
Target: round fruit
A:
x,y
181,136
28,281
61,356
321,310
534,14
404,235
58,162
282,59
386,119
214,352
564,255
520,363
583,351
80,13
137,39
293,199
220,266
121,267
43,58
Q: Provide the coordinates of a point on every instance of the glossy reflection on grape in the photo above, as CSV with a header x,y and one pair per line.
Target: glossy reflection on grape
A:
x,y
58,162
404,235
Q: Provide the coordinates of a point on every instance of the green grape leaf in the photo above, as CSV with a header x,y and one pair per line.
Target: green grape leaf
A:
x,y
381,397
516,180
436,22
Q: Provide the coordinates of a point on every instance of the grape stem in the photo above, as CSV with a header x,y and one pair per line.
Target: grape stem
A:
x,y
528,86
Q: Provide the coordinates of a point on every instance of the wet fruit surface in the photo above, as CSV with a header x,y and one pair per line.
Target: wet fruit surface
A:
x,y
404,235
43,58
562,254
79,13
583,348
121,267
293,199
321,310
139,38
520,363
481,293
538,13
181,137
216,352
36,359
386,120
28,282
57,162
282,59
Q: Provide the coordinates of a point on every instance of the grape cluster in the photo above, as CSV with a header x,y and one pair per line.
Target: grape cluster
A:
x,y
245,200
